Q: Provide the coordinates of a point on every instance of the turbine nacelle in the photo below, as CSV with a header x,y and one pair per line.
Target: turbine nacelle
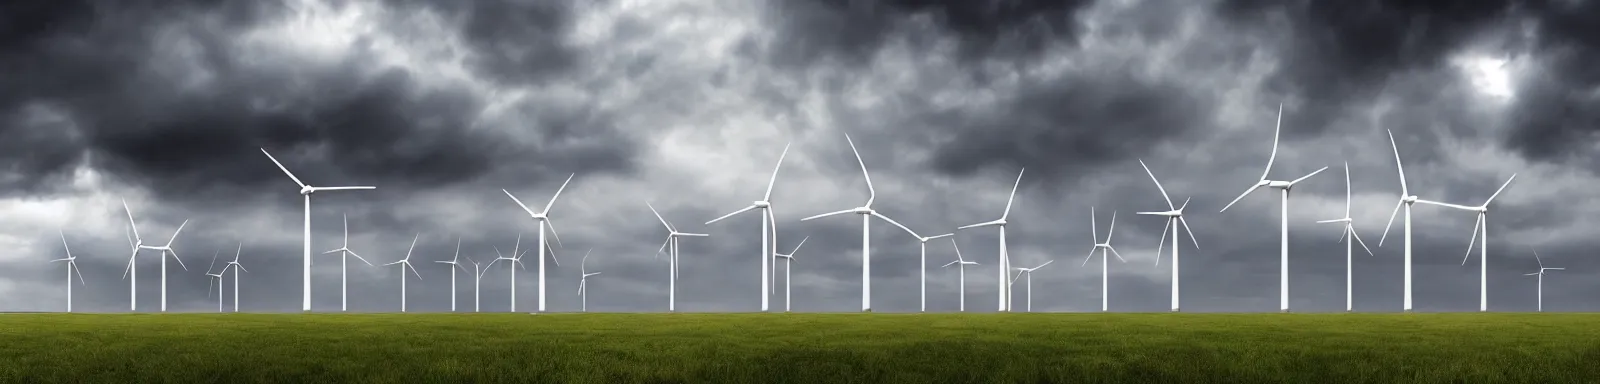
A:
x,y
761,204
862,210
1276,184
307,190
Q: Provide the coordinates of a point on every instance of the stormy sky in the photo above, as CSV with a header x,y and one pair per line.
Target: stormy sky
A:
x,y
687,105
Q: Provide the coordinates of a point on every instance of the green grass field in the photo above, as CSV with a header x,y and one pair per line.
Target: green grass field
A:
x,y
801,348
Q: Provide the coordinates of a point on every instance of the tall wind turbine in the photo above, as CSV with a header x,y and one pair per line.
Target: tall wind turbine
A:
x,y
1005,262
1406,199
236,269
1482,226
866,212
1173,213
788,260
307,190
214,279
1283,228
164,249
672,257
454,263
768,230
583,282
344,266
1349,232
1540,273
477,280
1027,273
404,265
1103,247
72,267
923,270
543,217
961,267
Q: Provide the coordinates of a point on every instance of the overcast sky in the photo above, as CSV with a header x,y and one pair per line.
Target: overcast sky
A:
x,y
687,104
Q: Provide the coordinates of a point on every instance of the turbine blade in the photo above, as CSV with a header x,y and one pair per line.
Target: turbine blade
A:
x,y
519,202
663,247
213,262
1117,254
1189,232
1307,176
130,219
280,166
1094,227
553,233
1392,214
983,224
344,188
1346,189
175,233
413,246
1090,256
797,246
1342,235
389,264
1356,235
1502,188
897,224
241,267
731,214
957,246
950,264
1474,240
209,283
358,257
175,257
130,264
1276,129
64,242
1158,184
1013,197
237,251
1448,205
1241,197
74,266
413,270
1536,258
1163,242
658,216
1400,168
828,214
774,179
871,193
558,194
1113,229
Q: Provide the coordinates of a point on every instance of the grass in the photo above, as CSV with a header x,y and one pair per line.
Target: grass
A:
x,y
800,348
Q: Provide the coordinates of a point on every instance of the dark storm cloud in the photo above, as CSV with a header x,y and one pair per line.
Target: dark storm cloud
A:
x,y
519,41
358,126
852,31
1558,109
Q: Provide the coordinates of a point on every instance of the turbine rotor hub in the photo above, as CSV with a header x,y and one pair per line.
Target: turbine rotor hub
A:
x,y
862,210
306,190
762,204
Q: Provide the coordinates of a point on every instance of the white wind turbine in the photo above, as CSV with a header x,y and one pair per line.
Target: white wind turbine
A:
x,y
866,212
961,267
516,262
404,265
72,267
344,266
768,231
1103,247
214,279
1406,199
543,217
1173,213
477,279
1005,258
1482,226
583,282
923,269
454,263
1284,186
138,243
307,190
788,260
1027,273
672,257
236,269
1540,273
1349,232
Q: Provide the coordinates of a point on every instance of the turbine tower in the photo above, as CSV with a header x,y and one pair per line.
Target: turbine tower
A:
x,y
307,190
72,267
344,266
1104,248
1406,199
1173,213
1349,232
215,279
1027,273
516,262
477,279
164,249
866,212
1283,227
543,217
1004,258
1540,273
583,282
236,269
1482,226
454,263
404,265
961,267
672,257
788,260
769,243
923,269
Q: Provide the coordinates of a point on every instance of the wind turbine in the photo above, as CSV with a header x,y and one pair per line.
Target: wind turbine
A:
x,y
672,257
237,267
923,242
1028,273
307,190
1104,247
543,217
516,262
1283,243
1173,213
72,267
583,282
788,260
1482,226
768,230
866,212
477,279
344,266
1005,262
1406,199
215,279
1540,273
1349,232
453,265
165,250
404,265
961,266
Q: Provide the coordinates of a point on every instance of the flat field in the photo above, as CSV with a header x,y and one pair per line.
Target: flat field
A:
x,y
800,348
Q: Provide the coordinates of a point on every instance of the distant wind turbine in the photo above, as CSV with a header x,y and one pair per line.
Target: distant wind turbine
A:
x,y
672,256
1173,214
1283,244
138,243
788,266
866,212
1027,273
1005,258
477,280
583,282
454,263
1349,232
961,267
543,217
236,269
405,264
307,190
1104,247
1482,226
1540,273
72,267
215,279
344,266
